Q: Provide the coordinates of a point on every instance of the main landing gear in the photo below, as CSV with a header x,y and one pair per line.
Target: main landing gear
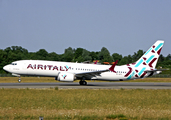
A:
x,y
83,82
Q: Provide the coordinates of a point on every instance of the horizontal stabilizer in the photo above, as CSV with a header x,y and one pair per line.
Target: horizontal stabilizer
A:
x,y
148,71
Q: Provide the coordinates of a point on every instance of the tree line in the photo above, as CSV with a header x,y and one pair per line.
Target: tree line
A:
x,y
79,55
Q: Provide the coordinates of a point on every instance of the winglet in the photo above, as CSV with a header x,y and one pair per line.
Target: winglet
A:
x,y
95,62
113,66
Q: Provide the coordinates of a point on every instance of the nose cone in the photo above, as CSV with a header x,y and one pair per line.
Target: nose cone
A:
x,y
5,68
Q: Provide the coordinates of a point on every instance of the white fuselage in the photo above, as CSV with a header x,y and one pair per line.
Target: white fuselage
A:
x,y
53,68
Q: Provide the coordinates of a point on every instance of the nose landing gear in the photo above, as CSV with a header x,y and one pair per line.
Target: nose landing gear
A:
x,y
19,80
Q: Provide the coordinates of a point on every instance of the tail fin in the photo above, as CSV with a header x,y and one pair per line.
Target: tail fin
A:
x,y
149,60
146,63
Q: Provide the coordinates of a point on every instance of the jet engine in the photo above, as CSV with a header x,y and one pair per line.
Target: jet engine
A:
x,y
65,77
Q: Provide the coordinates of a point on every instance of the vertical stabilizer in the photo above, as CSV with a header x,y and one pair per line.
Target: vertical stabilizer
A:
x,y
147,62
150,58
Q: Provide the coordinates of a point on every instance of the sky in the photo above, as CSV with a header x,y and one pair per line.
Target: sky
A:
x,y
122,26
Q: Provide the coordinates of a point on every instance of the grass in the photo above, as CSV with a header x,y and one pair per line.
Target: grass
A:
x,y
51,79
85,104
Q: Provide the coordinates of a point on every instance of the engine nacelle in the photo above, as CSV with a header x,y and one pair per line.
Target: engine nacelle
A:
x,y
65,77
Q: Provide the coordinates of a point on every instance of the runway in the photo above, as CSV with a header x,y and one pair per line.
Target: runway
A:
x,y
90,85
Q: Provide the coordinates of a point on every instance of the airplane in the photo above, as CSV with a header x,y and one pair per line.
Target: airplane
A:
x,y
68,71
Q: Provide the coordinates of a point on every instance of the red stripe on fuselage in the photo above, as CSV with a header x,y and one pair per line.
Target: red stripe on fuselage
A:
x,y
130,70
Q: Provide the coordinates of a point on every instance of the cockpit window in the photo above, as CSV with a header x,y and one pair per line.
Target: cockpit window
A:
x,y
13,63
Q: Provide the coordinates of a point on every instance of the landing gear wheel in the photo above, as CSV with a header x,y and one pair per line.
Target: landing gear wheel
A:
x,y
19,80
83,83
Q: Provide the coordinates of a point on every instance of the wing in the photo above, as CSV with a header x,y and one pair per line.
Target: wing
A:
x,y
95,73
90,74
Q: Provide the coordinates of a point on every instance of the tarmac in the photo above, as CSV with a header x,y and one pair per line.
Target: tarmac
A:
x,y
90,85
